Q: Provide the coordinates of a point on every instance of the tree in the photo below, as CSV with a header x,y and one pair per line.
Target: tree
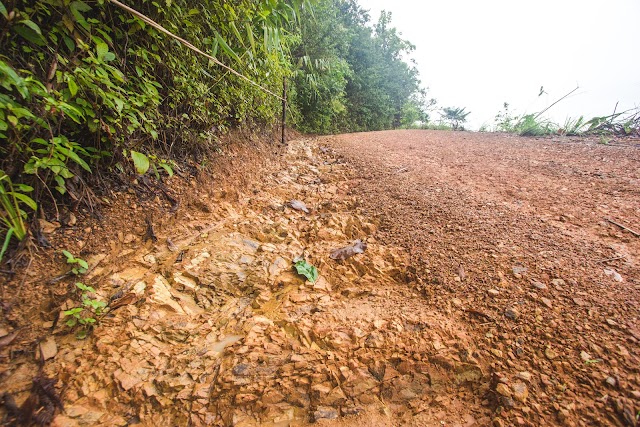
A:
x,y
455,116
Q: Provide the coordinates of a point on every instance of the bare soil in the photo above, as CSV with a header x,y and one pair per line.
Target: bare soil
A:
x,y
494,290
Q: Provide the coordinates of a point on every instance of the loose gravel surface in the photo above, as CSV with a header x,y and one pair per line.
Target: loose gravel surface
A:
x,y
512,237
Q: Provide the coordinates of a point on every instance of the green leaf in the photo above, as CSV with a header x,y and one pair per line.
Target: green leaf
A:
x,y
307,270
167,168
31,25
140,161
101,49
26,200
82,263
226,48
73,87
3,11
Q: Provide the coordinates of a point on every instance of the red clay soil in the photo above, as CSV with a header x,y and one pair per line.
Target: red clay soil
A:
x,y
495,289
513,237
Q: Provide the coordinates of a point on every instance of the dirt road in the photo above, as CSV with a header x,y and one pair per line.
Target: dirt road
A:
x,y
493,290
510,237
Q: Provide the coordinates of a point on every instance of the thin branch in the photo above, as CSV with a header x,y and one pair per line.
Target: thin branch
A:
x,y
189,45
546,109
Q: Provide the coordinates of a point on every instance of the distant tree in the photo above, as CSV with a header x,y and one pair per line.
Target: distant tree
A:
x,y
455,116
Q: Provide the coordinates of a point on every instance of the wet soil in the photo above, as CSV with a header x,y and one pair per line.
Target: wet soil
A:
x,y
494,290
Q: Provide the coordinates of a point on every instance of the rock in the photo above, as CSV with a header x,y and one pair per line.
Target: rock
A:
x,y
519,271
539,285
550,353
520,392
503,390
457,302
129,238
126,380
585,356
325,413
496,352
547,302
558,282
64,421
512,313
493,292
611,381
613,274
48,349
298,205
48,227
524,375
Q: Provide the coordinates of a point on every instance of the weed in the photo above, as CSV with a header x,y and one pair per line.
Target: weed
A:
x,y
307,270
12,197
85,316
82,265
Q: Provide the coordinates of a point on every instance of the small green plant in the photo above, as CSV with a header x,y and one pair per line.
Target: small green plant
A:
x,y
82,265
307,270
455,116
85,316
12,197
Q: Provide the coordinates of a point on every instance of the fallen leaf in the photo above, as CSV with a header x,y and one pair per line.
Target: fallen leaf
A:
x,y
358,247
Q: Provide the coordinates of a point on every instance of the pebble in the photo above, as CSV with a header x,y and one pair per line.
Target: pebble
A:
x,y
585,356
558,282
493,292
325,413
611,381
520,392
539,285
48,349
524,375
550,353
503,390
547,302
496,352
613,274
512,313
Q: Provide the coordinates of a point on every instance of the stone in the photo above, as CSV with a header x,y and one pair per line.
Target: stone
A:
x,y
493,292
547,302
550,353
496,352
611,381
539,285
126,380
512,313
325,413
613,275
503,390
558,282
524,375
520,392
585,356
48,349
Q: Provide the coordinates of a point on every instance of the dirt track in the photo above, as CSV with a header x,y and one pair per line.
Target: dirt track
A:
x,y
509,236
482,297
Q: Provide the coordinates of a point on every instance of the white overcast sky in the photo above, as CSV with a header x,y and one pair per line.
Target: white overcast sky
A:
x,y
480,54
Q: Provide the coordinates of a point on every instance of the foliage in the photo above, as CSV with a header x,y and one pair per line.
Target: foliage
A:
x,y
350,76
85,316
307,270
82,265
455,116
87,85
12,197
